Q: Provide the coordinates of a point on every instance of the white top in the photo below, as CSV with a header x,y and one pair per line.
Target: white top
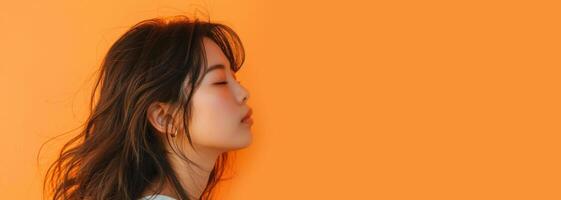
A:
x,y
156,197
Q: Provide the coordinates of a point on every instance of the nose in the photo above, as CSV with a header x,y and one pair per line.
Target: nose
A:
x,y
242,94
245,95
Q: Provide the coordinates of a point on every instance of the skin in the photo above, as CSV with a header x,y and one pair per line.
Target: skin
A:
x,y
215,127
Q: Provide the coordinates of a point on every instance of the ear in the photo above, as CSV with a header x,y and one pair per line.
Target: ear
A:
x,y
159,116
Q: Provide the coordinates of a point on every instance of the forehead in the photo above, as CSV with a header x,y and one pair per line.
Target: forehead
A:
x,y
214,55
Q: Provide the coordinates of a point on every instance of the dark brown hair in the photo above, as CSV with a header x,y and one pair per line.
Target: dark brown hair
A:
x,y
118,154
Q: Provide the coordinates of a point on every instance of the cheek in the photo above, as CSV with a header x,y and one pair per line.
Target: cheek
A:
x,y
211,103
215,116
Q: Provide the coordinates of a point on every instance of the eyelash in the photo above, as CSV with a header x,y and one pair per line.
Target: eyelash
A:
x,y
224,83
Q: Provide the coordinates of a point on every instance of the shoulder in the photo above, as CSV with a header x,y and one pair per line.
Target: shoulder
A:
x,y
156,197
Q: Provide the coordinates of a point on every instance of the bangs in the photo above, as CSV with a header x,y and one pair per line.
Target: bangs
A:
x,y
230,44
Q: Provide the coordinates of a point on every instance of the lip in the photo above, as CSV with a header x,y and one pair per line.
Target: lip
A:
x,y
248,121
247,116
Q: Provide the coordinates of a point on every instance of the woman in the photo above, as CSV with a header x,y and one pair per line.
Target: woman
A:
x,y
169,110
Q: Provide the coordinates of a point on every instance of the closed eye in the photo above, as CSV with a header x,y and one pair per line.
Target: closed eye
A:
x,y
221,83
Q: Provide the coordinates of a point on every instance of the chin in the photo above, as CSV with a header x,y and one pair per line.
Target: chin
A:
x,y
240,142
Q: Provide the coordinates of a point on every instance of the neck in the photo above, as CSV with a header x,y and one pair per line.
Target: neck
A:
x,y
194,176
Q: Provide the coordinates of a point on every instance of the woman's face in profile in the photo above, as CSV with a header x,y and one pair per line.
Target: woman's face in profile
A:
x,y
219,105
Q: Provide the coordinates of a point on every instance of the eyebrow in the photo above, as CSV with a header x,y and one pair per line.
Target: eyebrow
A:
x,y
218,66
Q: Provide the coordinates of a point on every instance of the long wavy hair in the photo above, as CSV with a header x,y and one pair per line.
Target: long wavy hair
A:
x,y
118,153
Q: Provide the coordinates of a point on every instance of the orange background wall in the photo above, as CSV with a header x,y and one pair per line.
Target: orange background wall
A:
x,y
352,100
